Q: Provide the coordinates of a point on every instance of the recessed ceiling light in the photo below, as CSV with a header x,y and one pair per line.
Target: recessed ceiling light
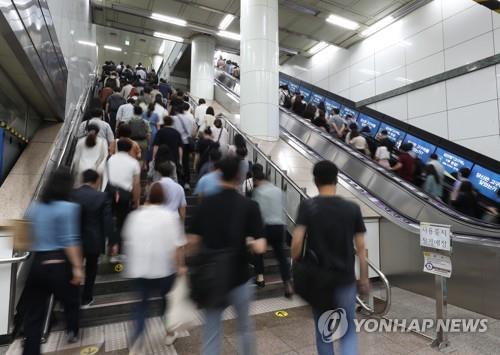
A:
x,y
162,48
169,37
168,19
86,43
378,26
226,21
318,47
342,22
112,48
127,42
230,35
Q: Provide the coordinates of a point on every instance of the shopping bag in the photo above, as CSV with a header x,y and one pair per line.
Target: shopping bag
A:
x,y
181,313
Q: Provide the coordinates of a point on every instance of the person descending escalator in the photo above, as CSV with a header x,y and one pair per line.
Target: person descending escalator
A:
x,y
270,200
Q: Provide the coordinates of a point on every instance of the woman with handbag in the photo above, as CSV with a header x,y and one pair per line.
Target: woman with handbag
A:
x,y
153,240
323,271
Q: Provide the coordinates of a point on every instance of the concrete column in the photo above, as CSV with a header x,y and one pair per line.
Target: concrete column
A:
x,y
202,67
259,47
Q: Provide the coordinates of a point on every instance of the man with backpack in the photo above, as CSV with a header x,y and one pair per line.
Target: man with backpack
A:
x,y
114,102
140,129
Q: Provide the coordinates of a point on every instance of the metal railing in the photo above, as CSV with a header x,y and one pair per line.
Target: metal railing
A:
x,y
16,259
294,195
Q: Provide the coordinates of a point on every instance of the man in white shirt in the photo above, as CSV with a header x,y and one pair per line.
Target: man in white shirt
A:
x,y
124,185
200,111
185,125
126,90
437,165
175,198
125,112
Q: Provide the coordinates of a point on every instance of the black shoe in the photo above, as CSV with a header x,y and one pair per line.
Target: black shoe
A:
x,y
288,290
260,284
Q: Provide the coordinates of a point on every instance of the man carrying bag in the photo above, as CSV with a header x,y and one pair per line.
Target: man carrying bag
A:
x,y
324,259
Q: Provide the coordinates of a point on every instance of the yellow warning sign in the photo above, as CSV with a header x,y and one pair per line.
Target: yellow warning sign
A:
x,y
281,314
119,267
89,350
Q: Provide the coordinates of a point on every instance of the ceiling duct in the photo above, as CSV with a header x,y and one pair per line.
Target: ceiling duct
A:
x,y
299,8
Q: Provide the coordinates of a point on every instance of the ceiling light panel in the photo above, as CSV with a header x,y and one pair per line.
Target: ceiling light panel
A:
x,y
168,19
378,26
318,47
112,48
230,35
169,37
86,43
226,21
342,22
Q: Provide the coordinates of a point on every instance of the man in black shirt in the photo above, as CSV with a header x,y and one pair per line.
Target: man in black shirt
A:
x,y
383,138
169,136
333,225
229,221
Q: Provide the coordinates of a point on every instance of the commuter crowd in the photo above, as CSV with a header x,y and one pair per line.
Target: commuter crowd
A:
x,y
429,175
141,152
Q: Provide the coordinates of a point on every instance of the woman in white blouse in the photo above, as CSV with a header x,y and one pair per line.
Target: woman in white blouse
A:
x,y
207,120
90,152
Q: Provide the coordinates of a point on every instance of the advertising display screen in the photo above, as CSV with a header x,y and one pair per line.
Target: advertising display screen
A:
x,y
316,98
485,181
331,104
306,93
373,124
395,135
283,81
293,87
421,148
451,162
346,111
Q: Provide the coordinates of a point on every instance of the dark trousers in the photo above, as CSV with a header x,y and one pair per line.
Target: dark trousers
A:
x,y
275,235
121,209
90,274
44,280
147,287
186,169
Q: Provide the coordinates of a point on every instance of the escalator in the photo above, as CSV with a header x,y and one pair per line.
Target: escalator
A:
x,y
386,193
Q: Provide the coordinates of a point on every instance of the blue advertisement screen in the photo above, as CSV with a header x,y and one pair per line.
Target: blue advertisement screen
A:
x,y
283,82
373,124
293,87
346,111
451,162
331,104
395,135
420,147
485,181
306,93
316,98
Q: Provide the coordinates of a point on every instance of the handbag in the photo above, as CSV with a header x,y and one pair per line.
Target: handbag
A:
x,y
182,313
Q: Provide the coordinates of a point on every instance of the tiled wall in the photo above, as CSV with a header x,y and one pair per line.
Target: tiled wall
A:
x,y
440,36
73,23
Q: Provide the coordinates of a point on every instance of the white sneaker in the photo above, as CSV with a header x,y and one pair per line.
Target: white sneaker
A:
x,y
170,339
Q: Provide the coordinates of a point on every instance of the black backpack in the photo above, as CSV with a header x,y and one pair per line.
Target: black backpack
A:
x,y
287,102
138,128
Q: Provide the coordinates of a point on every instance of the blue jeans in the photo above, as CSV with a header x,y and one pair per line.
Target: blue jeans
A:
x,y
240,298
146,288
345,297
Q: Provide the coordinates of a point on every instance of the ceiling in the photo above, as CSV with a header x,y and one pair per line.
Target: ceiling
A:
x,y
301,22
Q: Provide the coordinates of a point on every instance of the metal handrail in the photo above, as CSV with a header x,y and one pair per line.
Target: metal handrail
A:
x,y
16,258
303,195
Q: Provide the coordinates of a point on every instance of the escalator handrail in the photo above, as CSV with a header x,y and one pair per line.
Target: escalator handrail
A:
x,y
15,259
303,196
455,215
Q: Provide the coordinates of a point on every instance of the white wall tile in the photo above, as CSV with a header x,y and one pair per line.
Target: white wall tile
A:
x,y
427,100
363,91
425,68
389,59
362,71
496,40
496,19
469,89
387,37
470,51
345,93
339,61
489,146
452,7
395,107
319,70
339,81
323,84
466,25
435,123
422,18
423,44
473,121
360,51
391,80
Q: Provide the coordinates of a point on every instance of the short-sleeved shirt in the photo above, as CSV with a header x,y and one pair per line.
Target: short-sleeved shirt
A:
x,y
184,124
331,224
209,184
406,171
171,138
224,221
175,197
121,169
